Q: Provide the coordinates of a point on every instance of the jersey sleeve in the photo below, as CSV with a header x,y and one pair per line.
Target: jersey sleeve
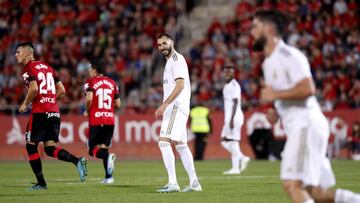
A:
x,y
179,70
117,92
56,77
87,86
30,73
298,68
235,90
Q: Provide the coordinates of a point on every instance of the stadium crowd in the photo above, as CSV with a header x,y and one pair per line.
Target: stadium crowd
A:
x,y
66,34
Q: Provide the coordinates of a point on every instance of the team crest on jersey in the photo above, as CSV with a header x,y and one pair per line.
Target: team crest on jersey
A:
x,y
25,76
174,57
86,86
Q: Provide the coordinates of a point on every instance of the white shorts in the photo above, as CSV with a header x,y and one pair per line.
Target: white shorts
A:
x,y
232,134
173,124
304,155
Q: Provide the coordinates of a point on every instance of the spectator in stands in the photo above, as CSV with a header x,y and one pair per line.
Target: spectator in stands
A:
x,y
123,33
355,140
339,129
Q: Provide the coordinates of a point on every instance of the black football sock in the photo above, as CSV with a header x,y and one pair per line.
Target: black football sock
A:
x,y
61,154
104,154
35,163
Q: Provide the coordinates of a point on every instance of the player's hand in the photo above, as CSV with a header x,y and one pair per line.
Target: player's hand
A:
x,y
267,94
272,116
86,114
23,108
160,111
231,124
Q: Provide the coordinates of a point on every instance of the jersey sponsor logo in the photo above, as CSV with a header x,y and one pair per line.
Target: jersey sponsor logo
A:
x,y
165,82
285,52
103,114
47,100
53,114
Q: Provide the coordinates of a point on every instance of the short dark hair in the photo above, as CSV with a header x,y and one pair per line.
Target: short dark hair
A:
x,y
98,65
229,67
164,35
25,44
279,19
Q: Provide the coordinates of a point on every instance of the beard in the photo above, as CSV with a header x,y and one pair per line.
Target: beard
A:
x,y
259,44
167,51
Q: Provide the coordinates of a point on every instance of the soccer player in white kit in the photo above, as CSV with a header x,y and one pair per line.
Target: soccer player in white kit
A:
x,y
233,120
174,112
306,173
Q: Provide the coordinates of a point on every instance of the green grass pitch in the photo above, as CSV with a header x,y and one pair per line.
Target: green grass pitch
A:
x,y
137,181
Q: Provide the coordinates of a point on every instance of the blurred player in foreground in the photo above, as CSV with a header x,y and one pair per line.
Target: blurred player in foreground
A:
x,y
305,171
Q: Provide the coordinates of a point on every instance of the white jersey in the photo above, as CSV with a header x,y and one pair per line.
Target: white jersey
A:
x,y
232,91
306,127
175,68
283,70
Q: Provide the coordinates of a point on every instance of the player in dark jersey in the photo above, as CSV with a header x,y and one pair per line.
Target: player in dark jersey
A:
x,y
44,88
102,95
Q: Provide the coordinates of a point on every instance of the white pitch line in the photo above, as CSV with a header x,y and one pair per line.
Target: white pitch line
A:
x,y
140,179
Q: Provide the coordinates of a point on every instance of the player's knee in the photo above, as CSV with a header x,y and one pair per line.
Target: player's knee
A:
x,y
318,194
180,147
49,150
31,148
163,144
289,187
91,151
224,144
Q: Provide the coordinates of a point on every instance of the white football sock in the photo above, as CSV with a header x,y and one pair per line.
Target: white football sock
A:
x,y
169,160
235,148
346,196
187,160
236,155
309,201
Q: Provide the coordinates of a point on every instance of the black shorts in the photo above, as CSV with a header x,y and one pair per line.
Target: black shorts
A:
x,y
100,134
43,127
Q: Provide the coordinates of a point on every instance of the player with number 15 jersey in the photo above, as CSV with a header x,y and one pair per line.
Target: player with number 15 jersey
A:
x,y
105,92
102,96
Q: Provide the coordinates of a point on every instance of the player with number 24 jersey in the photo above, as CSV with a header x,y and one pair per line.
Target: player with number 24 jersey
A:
x,y
46,78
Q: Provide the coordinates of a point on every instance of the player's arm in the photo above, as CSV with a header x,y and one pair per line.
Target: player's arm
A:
x,y
178,88
176,91
88,100
117,103
233,112
60,90
302,90
272,116
31,94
